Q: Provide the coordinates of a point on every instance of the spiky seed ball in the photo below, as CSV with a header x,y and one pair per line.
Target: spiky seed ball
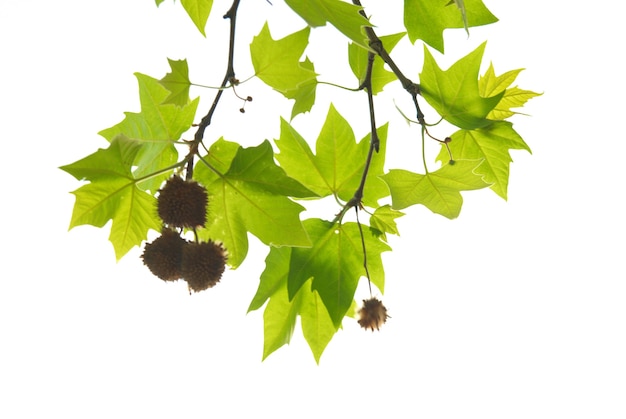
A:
x,y
164,255
182,203
373,314
203,265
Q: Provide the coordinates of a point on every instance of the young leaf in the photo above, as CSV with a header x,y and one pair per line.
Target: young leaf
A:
x,y
343,16
198,11
252,196
338,164
427,19
439,191
276,62
113,195
454,93
357,57
384,220
490,144
158,124
335,262
177,82
490,84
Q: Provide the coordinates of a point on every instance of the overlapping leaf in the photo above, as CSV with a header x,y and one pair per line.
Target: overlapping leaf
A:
x,y
427,19
439,191
338,164
335,262
112,194
177,82
454,92
342,15
158,125
281,312
514,97
491,145
251,195
384,221
357,58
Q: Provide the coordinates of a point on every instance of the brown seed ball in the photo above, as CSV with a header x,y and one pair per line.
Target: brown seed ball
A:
x,y
373,314
203,265
164,255
182,203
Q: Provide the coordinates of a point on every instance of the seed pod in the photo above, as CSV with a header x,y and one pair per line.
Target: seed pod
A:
x,y
164,255
203,265
373,314
182,203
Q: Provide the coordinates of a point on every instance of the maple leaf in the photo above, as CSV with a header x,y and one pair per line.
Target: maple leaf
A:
x,y
427,19
357,58
490,84
454,92
384,221
335,262
159,125
490,144
281,312
326,172
250,196
439,191
198,11
343,16
112,194
177,82
276,62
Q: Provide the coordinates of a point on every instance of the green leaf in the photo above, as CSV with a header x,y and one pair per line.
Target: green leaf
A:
x,y
177,82
157,127
335,262
113,195
198,11
491,145
343,16
454,93
357,57
490,84
338,164
384,220
304,94
276,62
252,196
427,19
439,191
281,313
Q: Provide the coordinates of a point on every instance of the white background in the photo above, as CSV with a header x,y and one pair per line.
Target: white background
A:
x,y
514,310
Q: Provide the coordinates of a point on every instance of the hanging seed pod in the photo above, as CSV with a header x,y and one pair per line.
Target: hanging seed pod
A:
x,y
182,203
373,314
203,265
164,255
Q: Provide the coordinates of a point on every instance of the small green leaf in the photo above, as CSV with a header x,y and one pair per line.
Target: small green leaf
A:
x,y
454,93
198,11
490,84
156,127
357,57
439,191
328,172
177,82
342,15
113,195
427,19
384,220
491,145
277,62
252,196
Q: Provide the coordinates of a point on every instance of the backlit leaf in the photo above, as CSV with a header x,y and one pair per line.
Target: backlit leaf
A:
x,y
454,92
439,191
177,82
